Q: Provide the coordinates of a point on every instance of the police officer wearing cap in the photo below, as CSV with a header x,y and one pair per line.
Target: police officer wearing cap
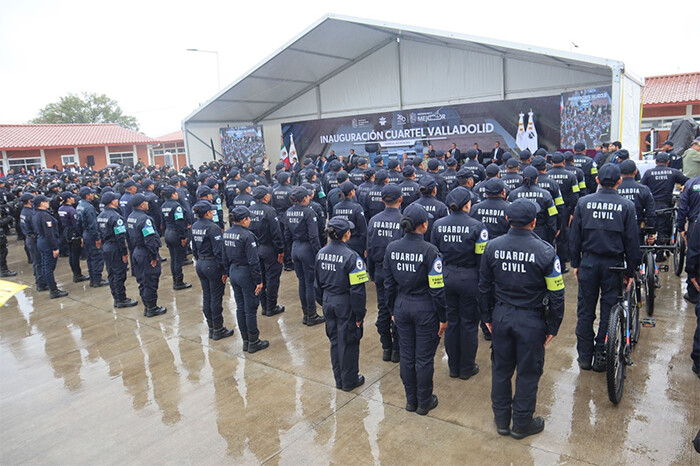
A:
x,y
519,274
68,219
242,262
465,182
357,174
147,188
340,277
492,171
112,231
693,269
492,210
511,177
450,174
410,189
301,231
365,186
205,193
434,171
87,219
603,234
586,164
415,296
46,229
176,235
244,198
689,211
395,175
473,164
570,190
281,202
641,196
461,240
546,227
569,165
265,224
351,211
373,201
208,250
382,229
30,240
146,261
427,200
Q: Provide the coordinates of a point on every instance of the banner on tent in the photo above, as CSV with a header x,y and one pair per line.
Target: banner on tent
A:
x,y
243,144
586,116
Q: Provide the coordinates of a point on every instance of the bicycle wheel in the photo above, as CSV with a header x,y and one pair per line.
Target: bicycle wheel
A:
x,y
634,298
650,283
681,257
615,354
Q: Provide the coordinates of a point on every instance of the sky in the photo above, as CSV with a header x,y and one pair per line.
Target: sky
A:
x,y
135,51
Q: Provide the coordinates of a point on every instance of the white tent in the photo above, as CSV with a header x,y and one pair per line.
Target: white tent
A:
x,y
343,66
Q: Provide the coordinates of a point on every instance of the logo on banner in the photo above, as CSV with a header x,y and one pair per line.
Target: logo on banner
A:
x,y
354,122
412,116
400,119
382,121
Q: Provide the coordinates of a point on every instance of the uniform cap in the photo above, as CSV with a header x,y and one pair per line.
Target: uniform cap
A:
x,y
494,186
378,159
662,157
211,182
417,162
525,155
492,170
361,162
369,173
239,213
391,192
381,175
539,162
579,146
451,162
108,197
465,173
129,183
39,199
282,177
623,154
340,225
472,153
202,207
557,157
147,182
541,152
242,185
417,214
346,187
174,180
137,199
84,191
628,167
26,197
433,164
260,191
609,174
167,191
439,153
408,171
427,181
460,197
512,163
300,193
65,195
393,163
203,191
668,142
530,172
522,211
310,174
568,156
336,165
342,176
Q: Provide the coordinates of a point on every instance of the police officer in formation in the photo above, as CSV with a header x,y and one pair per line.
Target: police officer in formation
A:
x,y
146,260
546,227
427,200
242,264
461,240
603,234
340,277
351,211
68,219
383,229
693,269
570,191
415,296
87,220
640,194
689,212
176,221
46,229
31,240
518,316
112,231
492,210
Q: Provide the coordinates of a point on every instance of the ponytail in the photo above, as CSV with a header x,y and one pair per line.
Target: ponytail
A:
x,y
407,225
333,234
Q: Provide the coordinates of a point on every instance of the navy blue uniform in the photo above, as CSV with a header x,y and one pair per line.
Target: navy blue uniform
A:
x,y
373,201
661,180
30,241
68,219
265,224
87,219
383,228
112,231
603,234
154,210
461,239
281,202
492,213
689,211
410,191
578,173
362,190
644,205
340,277
175,222
518,271
146,242
512,180
350,210
46,229
243,264
435,208
546,227
230,192
301,231
589,168
415,295
208,249
570,190
395,177
693,268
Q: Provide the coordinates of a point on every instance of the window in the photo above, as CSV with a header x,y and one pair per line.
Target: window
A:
x,y
69,159
180,150
125,158
158,151
17,164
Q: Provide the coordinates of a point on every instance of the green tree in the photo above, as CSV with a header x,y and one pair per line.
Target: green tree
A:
x,y
88,108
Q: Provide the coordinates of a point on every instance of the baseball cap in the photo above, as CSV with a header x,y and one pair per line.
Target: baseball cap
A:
x,y
525,155
282,177
203,191
346,187
417,214
579,146
465,173
433,164
512,163
109,197
340,225
539,162
451,162
260,192
239,213
609,174
202,207
39,199
628,167
408,171
300,193
391,192
378,159
137,199
129,183
568,156
84,191
492,170
530,172
242,186
557,157
460,197
427,181
26,197
494,186
381,175
522,211
168,191
662,157
393,163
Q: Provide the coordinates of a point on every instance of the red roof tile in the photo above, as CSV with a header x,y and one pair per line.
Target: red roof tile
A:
x,y
175,136
674,88
74,135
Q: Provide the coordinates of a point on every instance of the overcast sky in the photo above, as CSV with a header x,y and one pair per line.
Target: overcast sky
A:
x,y
134,51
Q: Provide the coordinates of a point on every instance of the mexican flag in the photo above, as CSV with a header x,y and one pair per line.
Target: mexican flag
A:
x,y
520,137
284,156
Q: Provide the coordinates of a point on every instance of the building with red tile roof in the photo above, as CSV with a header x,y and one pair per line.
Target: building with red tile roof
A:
x,y
668,98
170,150
96,145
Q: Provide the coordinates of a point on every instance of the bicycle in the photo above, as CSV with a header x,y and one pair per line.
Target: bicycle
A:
x,y
623,333
649,270
674,243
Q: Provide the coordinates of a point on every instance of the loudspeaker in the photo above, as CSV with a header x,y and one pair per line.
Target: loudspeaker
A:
x,y
91,160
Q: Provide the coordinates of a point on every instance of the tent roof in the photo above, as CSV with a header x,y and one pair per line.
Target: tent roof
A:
x,y
335,43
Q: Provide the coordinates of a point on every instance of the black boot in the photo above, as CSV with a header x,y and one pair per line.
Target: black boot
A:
x,y
275,310
313,318
80,278
126,302
7,273
306,314
153,310
42,287
245,341
210,324
263,310
179,284
221,332
99,283
56,293
255,343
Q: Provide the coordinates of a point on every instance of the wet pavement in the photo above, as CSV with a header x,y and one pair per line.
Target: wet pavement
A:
x,y
84,383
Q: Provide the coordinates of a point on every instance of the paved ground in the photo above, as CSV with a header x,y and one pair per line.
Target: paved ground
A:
x,y
83,383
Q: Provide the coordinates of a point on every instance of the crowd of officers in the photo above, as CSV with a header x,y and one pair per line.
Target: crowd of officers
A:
x,y
451,245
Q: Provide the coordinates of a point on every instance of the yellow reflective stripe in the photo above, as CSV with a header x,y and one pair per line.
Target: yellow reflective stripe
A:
x,y
594,170
479,247
554,283
582,185
358,277
559,201
552,210
576,189
435,281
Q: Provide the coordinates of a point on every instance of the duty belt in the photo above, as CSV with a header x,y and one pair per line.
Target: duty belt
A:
x,y
206,258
